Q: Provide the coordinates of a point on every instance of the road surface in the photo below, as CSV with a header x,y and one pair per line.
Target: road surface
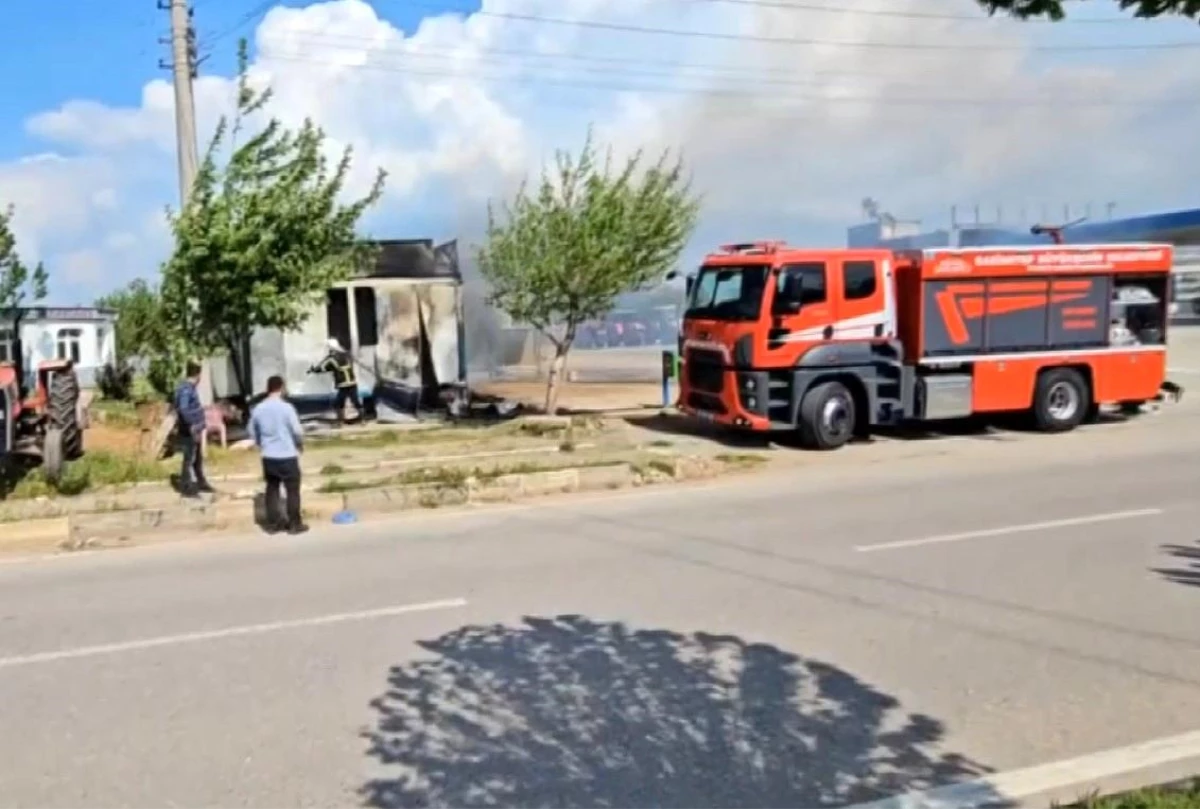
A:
x,y
833,633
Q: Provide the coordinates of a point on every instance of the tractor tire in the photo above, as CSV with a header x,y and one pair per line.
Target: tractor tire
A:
x,y
53,460
62,412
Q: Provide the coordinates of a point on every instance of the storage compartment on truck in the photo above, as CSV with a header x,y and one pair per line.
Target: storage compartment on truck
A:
x,y
1012,315
945,396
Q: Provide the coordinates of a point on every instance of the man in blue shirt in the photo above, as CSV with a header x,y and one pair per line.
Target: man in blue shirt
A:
x,y
275,428
189,414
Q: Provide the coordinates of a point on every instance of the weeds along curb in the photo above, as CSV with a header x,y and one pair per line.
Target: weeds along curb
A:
x,y
157,494
114,528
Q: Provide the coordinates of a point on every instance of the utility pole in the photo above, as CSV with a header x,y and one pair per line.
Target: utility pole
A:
x,y
183,66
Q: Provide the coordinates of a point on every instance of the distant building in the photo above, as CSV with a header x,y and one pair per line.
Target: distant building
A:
x,y
83,334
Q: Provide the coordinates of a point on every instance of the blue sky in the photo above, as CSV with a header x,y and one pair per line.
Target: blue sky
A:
x,y
452,139
106,50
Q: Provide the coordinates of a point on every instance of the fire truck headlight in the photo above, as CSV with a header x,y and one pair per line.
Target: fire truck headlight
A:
x,y
751,402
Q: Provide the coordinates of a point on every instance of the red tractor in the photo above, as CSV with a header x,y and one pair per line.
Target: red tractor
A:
x,y
45,427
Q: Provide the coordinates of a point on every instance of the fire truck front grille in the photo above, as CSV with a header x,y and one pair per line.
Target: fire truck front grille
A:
x,y
705,370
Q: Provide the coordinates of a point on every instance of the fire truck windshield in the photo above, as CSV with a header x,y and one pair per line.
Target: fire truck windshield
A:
x,y
728,292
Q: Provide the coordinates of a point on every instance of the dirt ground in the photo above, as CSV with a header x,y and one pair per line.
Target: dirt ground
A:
x,y
580,396
115,438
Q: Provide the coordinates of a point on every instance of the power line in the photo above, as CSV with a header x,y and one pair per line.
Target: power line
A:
x,y
725,92
620,63
763,39
246,19
907,15
623,64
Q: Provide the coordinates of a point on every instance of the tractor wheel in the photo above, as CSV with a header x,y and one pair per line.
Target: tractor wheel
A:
x,y
62,412
52,455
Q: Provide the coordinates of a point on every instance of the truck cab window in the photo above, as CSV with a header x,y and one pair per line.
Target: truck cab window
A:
x,y
811,278
858,280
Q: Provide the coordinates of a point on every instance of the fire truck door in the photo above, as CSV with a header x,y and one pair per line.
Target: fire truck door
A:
x,y
860,300
801,310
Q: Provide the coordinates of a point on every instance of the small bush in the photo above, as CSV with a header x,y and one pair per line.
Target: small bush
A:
x,y
115,382
142,390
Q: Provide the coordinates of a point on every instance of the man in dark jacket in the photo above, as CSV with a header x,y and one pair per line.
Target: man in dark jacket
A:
x,y
189,413
339,363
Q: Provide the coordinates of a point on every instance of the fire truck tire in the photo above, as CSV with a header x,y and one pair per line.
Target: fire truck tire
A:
x,y
826,417
1061,400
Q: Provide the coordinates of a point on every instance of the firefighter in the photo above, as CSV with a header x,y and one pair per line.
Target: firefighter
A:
x,y
339,363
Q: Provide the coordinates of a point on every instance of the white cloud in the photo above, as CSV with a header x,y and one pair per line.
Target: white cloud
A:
x,y
784,139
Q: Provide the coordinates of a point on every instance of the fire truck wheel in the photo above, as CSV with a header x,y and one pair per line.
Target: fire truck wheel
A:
x,y
826,416
1061,400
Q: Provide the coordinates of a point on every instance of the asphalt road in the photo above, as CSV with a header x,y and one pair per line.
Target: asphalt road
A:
x,y
844,629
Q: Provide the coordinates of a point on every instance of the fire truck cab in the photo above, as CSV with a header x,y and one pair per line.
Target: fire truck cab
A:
x,y
831,343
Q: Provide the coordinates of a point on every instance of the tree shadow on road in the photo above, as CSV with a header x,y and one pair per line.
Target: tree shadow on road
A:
x,y
1187,571
569,712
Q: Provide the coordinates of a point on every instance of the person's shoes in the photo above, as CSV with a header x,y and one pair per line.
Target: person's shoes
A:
x,y
300,528
190,493
274,528
206,488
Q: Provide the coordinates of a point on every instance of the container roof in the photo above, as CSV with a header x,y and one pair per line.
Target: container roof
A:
x,y
416,259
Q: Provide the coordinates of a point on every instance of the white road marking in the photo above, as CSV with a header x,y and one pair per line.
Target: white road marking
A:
x,y
1193,371
1011,529
1082,773
228,632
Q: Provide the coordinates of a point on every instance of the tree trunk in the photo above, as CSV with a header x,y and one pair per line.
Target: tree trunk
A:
x,y
239,360
555,377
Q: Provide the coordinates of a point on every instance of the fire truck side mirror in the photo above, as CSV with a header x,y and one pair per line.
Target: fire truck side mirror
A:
x,y
688,281
790,297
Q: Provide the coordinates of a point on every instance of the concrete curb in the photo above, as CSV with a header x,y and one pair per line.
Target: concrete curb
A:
x,y
1061,783
156,494
117,527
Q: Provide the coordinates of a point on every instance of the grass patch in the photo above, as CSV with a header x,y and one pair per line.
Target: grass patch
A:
x,y
114,413
665,467
655,467
430,475
740,459
450,477
382,439
541,429
1177,796
92,471
332,469
661,443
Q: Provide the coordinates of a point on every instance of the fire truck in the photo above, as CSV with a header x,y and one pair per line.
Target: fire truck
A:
x,y
833,343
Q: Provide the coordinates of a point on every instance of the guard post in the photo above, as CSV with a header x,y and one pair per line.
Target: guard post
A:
x,y
670,370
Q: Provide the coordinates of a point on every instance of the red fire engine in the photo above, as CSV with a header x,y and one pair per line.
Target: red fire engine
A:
x,y
831,343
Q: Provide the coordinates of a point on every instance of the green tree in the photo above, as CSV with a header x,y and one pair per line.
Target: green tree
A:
x,y
141,328
1056,9
264,233
560,255
20,284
